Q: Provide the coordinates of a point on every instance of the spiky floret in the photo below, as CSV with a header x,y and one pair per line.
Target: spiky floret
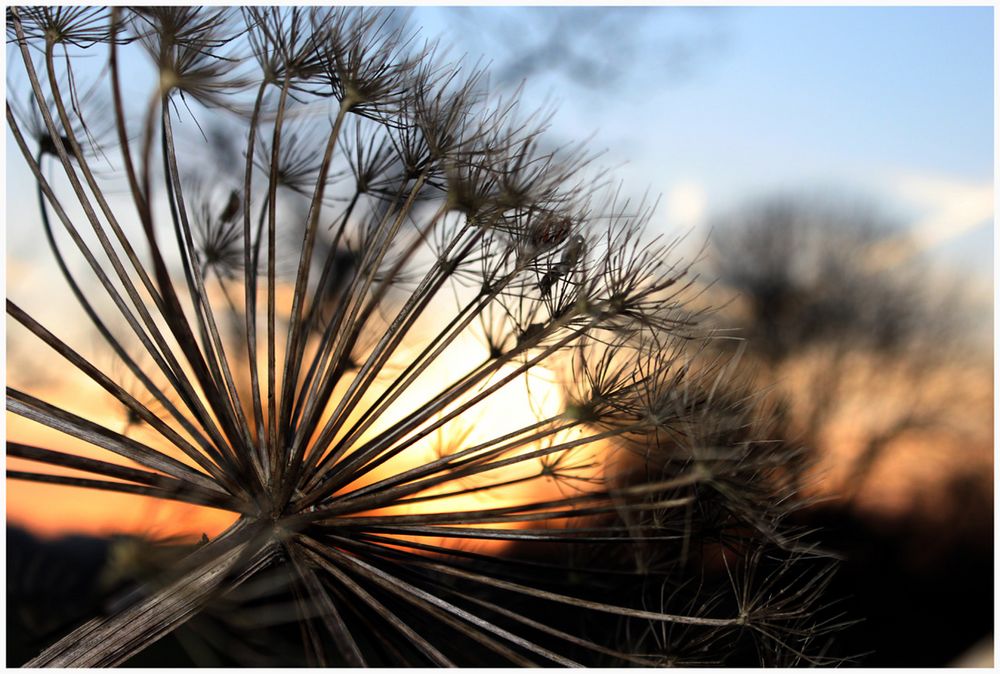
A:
x,y
313,327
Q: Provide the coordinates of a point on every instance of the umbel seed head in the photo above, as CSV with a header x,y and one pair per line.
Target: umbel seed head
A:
x,y
431,390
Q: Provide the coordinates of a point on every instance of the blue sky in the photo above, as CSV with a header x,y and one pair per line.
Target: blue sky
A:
x,y
711,107
891,104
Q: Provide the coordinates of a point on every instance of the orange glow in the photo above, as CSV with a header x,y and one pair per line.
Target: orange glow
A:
x,y
57,509
53,510
915,465
511,407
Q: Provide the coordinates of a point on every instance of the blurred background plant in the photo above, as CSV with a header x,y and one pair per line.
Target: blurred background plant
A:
x,y
870,351
881,364
422,386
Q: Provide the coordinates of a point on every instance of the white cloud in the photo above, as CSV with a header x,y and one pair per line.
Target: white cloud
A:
x,y
952,207
949,207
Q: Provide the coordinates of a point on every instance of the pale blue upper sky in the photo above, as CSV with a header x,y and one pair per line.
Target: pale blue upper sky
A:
x,y
894,104
710,107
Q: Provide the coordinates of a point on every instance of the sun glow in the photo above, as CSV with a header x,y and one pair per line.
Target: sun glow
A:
x,y
54,509
518,405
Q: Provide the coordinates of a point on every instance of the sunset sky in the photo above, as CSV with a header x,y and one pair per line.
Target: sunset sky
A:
x,y
710,107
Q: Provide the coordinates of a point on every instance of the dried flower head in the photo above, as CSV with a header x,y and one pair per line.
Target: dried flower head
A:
x,y
445,388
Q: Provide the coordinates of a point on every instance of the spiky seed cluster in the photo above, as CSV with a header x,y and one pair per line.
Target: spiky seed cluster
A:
x,y
306,324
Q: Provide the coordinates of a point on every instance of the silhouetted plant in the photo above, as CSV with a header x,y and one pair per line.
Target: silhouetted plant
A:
x,y
843,328
394,253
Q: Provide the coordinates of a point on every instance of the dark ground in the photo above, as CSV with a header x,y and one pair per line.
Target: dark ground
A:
x,y
923,596
922,604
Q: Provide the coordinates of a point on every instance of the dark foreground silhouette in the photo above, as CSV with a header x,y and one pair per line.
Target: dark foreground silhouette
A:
x,y
922,595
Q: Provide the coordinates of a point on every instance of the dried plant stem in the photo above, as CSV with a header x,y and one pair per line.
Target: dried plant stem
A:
x,y
106,642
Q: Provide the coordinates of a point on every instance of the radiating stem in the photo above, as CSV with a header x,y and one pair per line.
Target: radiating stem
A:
x,y
111,640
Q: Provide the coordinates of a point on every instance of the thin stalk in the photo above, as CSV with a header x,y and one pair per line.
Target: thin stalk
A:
x,y
624,494
30,407
177,491
513,515
385,613
433,350
314,307
276,462
579,603
140,198
334,623
377,451
638,660
293,356
314,405
413,594
218,363
438,344
570,535
313,314
458,626
393,336
250,286
458,470
445,462
113,470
